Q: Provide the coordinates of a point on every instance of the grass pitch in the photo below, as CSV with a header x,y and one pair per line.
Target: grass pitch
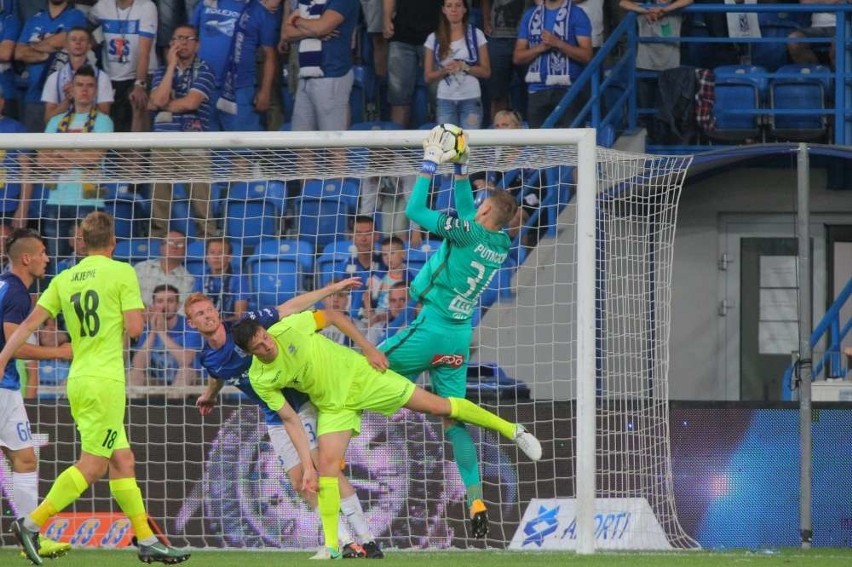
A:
x,y
821,557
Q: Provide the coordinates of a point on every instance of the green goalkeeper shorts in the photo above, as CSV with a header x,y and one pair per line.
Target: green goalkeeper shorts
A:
x,y
432,344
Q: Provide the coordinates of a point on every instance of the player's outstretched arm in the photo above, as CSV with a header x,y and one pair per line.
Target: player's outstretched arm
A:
x,y
439,147
30,325
462,191
376,358
307,300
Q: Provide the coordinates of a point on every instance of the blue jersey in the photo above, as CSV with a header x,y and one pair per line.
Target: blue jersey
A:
x,y
10,29
230,364
15,305
256,28
216,25
36,29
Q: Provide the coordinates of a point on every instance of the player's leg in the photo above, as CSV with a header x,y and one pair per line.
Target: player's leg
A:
x,y
464,410
111,442
334,432
449,380
17,445
87,409
289,459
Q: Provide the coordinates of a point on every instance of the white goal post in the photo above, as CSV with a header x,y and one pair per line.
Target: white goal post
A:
x,y
573,339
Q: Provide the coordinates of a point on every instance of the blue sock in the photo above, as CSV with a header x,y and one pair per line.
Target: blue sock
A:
x,y
467,460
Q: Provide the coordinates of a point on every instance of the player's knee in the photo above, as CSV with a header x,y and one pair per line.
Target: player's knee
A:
x,y
328,465
23,461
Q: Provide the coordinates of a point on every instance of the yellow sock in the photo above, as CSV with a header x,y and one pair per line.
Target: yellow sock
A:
x,y
67,488
329,508
464,410
126,492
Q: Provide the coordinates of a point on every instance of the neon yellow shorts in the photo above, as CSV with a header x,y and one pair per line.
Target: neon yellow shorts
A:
x,y
385,393
97,406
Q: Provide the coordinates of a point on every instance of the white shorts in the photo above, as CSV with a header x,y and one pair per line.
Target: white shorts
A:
x,y
284,448
15,431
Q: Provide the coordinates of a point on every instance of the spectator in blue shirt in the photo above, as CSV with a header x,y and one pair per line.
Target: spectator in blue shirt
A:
x,y
14,197
555,40
10,29
166,352
181,102
228,291
42,37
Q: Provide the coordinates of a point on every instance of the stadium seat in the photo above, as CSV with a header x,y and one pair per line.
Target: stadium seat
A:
x,y
375,125
799,88
417,257
772,55
182,219
738,88
253,210
324,209
277,270
136,249
442,194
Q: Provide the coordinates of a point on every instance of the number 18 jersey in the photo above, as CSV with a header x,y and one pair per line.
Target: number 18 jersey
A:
x,y
93,296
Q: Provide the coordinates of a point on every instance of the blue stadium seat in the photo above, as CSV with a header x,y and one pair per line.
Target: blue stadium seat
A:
x,y
738,88
442,194
324,209
277,270
804,88
417,257
772,55
182,219
253,210
136,249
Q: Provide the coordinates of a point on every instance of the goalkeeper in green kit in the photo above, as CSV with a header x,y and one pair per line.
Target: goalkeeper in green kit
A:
x,y
448,286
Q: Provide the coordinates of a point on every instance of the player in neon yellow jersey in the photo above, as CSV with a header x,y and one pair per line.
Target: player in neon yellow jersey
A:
x,y
101,302
342,384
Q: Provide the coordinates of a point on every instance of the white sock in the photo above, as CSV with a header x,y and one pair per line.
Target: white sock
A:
x,y
343,533
351,508
24,493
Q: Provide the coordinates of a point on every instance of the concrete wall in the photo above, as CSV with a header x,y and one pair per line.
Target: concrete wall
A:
x,y
534,337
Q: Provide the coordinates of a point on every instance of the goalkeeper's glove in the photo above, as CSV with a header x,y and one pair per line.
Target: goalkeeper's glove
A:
x,y
461,160
438,147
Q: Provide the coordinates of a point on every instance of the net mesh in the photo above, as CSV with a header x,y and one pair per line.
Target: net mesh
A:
x,y
291,217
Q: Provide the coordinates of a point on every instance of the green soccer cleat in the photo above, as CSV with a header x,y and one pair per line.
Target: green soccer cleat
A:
x,y
479,519
52,549
327,553
28,540
161,554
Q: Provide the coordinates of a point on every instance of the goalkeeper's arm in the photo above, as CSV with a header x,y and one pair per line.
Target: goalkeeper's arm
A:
x,y
462,191
438,147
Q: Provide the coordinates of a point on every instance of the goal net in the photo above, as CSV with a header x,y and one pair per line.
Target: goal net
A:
x,y
571,337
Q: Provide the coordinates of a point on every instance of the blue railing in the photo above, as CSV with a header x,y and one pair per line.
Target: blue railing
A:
x,y
621,113
828,329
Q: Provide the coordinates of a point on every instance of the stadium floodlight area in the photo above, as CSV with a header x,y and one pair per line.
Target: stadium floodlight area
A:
x,y
572,336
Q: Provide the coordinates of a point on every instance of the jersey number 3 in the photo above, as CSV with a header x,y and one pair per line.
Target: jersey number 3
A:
x,y
86,308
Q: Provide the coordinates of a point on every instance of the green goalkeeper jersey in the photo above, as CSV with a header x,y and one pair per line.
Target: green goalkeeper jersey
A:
x,y
456,275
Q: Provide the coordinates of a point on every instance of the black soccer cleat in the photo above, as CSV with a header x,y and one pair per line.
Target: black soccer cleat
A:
x,y
353,551
479,519
373,550
159,553
28,540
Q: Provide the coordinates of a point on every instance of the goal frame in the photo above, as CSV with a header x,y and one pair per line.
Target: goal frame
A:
x,y
584,139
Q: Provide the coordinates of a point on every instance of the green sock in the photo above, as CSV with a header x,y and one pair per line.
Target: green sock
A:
x,y
329,509
467,460
67,488
466,411
129,497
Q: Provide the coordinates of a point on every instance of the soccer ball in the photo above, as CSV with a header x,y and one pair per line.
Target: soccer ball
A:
x,y
459,141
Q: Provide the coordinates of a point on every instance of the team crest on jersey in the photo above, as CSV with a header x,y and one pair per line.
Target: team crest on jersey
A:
x,y
451,360
291,349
